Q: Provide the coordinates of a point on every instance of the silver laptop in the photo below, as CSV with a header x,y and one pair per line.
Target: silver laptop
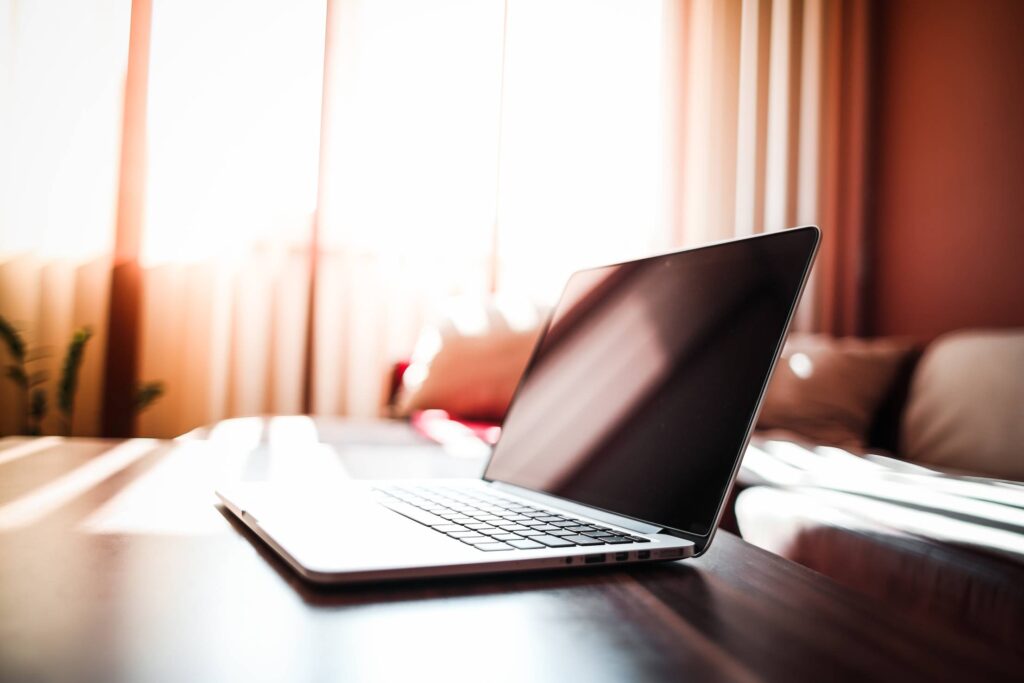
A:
x,y
620,446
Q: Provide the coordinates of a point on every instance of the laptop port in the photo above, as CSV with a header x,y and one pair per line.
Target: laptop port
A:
x,y
643,555
621,557
594,559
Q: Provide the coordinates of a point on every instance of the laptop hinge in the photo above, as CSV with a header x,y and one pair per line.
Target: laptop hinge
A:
x,y
578,508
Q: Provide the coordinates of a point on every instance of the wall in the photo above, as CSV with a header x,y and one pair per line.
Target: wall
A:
x,y
948,173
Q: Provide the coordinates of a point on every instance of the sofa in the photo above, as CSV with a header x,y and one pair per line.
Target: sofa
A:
x,y
929,513
893,467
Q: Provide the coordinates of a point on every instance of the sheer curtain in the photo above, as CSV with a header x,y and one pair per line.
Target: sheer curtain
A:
x,y
771,108
582,178
389,155
475,148
233,126
408,183
62,67
749,102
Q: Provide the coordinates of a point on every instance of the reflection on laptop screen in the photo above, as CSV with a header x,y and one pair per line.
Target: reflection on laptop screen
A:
x,y
641,392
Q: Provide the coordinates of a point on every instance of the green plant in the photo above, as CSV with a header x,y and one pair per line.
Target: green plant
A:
x,y
68,384
33,397
146,394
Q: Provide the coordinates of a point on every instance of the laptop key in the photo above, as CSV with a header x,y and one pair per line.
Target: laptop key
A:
x,y
414,513
583,540
445,528
560,532
565,523
550,518
507,537
546,527
463,534
475,540
526,545
615,539
581,529
530,532
552,541
514,527
493,546
637,539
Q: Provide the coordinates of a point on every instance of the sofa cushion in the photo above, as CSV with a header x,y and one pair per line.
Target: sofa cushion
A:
x,y
828,390
966,405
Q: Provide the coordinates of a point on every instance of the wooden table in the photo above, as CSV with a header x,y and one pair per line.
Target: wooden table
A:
x,y
115,565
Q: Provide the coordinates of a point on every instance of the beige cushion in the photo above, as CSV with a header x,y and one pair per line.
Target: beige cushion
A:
x,y
828,390
966,404
469,364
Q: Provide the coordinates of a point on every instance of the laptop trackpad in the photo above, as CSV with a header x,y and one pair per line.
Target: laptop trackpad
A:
x,y
343,528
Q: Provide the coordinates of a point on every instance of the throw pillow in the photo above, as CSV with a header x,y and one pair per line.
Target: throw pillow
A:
x,y
828,390
469,364
966,404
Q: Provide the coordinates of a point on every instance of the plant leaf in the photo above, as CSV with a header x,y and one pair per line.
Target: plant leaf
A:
x,y
15,344
69,371
17,375
37,353
37,408
147,394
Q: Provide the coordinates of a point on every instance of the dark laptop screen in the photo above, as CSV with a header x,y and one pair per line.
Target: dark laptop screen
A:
x,y
641,391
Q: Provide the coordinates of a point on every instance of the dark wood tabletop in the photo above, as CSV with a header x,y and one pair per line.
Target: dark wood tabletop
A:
x,y
116,565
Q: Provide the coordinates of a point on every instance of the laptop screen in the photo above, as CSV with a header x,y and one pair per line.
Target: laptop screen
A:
x,y
641,391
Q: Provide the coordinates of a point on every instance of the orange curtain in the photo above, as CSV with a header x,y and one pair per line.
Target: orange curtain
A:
x,y
773,105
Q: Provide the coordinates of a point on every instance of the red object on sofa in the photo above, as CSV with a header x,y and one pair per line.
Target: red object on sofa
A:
x,y
437,425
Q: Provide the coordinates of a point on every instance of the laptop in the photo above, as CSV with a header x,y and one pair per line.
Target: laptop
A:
x,y
620,445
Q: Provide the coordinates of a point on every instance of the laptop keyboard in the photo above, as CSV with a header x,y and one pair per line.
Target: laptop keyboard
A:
x,y
492,523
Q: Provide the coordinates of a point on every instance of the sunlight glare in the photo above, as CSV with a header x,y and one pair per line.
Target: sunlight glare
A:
x,y
28,448
234,126
40,502
174,497
801,365
237,434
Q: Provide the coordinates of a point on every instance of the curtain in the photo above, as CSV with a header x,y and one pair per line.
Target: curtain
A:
x,y
232,133
477,148
772,129
315,180
749,105
62,67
